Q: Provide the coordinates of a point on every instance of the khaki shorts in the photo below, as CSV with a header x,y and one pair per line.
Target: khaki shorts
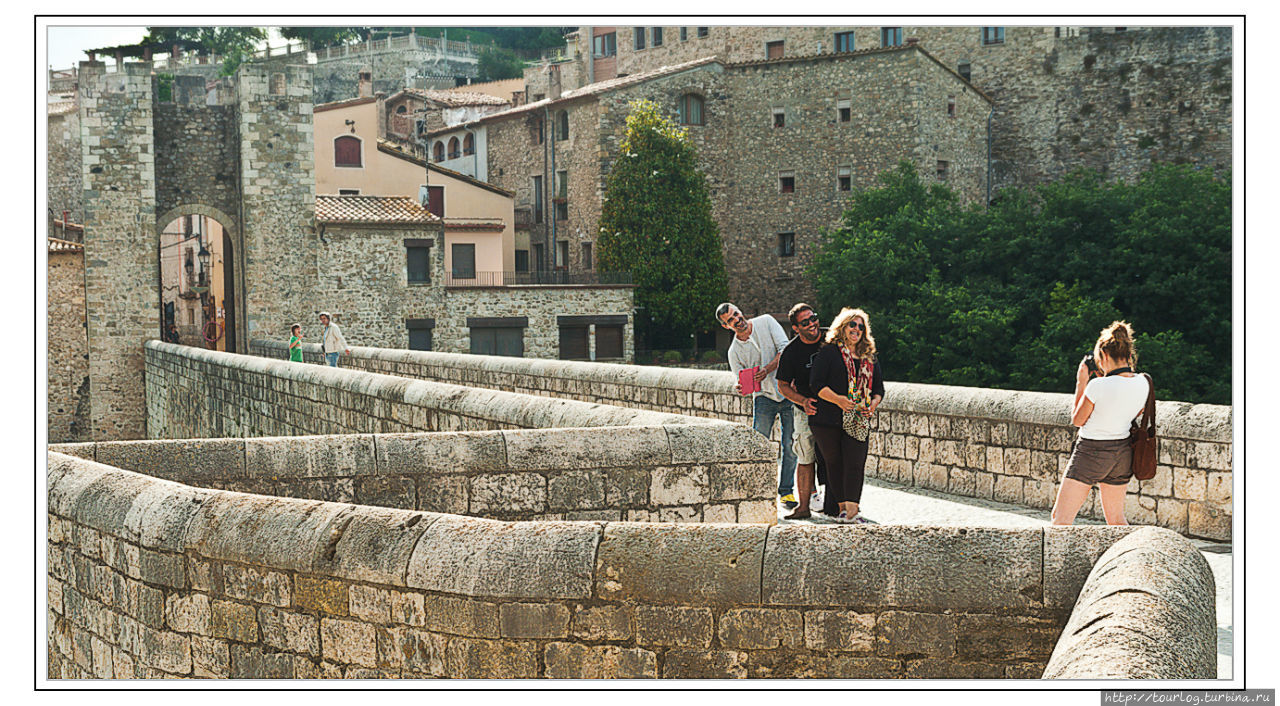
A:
x,y
802,437
1107,462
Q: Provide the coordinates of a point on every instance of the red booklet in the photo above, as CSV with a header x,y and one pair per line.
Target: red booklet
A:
x,y
747,380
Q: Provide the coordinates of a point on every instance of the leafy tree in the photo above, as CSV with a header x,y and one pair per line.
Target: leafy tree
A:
x,y
233,44
318,37
499,63
1013,294
656,223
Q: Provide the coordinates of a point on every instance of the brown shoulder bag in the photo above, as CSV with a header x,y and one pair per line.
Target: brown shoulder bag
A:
x,y
1142,437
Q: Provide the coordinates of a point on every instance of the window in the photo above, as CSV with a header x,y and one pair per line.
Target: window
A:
x,y
773,50
348,192
942,170
786,245
522,260
418,260
562,210
779,117
464,260
844,110
575,343
992,35
844,178
951,106
657,36
539,259
346,151
498,336
684,33
469,144
844,41
420,333
454,152
401,109
608,342
964,69
787,182
562,125
890,36
690,109
538,129
604,45
435,200
561,199
537,199
562,253
587,263
639,38
703,32
437,151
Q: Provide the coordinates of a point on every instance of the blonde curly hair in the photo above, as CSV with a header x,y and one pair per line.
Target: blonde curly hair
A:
x,y
866,347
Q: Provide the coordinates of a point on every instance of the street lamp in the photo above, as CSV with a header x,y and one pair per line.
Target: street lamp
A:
x,y
204,264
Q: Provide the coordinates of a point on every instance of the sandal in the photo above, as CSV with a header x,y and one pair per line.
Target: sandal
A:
x,y
842,518
798,515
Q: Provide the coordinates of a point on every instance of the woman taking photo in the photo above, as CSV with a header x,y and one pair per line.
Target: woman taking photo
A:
x,y
1104,408
850,386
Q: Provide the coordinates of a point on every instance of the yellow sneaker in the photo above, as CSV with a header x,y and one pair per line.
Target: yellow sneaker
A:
x,y
789,501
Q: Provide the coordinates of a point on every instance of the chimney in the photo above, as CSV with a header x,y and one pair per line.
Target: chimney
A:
x,y
364,88
912,41
553,81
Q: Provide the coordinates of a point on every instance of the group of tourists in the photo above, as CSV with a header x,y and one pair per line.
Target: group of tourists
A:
x,y
332,341
824,386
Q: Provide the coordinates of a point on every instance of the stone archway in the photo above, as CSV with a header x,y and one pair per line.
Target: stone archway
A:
x,y
234,264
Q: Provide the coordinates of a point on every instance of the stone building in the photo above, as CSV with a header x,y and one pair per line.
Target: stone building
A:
x,y
783,142
63,180
393,64
68,347
1116,99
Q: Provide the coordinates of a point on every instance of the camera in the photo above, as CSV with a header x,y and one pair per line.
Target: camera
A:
x,y
1091,364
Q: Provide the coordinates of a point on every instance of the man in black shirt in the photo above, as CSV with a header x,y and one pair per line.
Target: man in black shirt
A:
x,y
793,383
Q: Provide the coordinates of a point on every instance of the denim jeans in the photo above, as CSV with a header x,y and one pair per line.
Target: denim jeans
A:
x,y
762,414
331,359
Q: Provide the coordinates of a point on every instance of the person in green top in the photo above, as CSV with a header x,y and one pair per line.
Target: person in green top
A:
x,y
295,343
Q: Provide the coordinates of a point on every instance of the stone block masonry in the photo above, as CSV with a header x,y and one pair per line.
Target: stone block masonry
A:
x,y
149,578
1002,445
68,373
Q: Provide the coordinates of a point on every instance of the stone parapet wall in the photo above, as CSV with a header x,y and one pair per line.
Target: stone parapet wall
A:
x,y
153,579
68,353
675,473
1004,445
1145,612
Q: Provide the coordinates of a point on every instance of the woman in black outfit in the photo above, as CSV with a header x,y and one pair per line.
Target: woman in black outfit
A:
x,y
847,377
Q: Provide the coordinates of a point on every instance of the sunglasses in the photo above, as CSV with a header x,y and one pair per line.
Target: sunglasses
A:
x,y
858,325
811,320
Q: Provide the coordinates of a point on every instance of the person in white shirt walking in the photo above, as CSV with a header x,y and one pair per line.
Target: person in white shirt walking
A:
x,y
332,341
758,343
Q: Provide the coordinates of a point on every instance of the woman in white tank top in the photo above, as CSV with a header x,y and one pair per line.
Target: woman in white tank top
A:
x,y
1106,403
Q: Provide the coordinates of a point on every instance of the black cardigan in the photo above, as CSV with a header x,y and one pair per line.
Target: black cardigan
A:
x,y
829,371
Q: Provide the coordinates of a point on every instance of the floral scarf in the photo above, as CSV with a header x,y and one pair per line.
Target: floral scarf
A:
x,y
860,373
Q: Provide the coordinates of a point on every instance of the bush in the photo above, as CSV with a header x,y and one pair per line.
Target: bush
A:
x,y
672,357
712,357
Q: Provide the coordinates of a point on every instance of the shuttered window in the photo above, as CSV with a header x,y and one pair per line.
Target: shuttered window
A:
x,y
608,342
573,343
346,151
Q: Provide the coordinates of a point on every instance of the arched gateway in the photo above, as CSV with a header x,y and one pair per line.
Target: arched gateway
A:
x,y
223,172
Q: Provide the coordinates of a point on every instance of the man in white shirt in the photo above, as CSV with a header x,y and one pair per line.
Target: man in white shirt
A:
x,y
758,343
331,341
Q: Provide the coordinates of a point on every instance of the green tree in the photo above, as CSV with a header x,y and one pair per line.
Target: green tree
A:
x,y
499,63
319,37
232,44
1011,295
657,224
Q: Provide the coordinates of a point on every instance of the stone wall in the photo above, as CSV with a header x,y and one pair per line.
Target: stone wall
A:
x,y
1001,445
1145,589
672,473
154,579
64,180
194,392
338,78
197,155
68,349
364,283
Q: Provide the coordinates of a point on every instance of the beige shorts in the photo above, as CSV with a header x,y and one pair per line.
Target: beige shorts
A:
x,y
1107,462
802,437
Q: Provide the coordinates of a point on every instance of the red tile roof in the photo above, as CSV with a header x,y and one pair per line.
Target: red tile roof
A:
x,y
343,104
456,97
372,209
57,245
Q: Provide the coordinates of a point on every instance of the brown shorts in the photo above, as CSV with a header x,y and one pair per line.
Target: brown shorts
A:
x,y
1106,462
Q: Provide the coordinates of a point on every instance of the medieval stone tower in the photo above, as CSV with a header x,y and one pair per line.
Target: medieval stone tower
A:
x,y
240,153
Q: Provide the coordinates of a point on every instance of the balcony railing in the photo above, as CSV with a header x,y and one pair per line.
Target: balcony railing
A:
x,y
550,278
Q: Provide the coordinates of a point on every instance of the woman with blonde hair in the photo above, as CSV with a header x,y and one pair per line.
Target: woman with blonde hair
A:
x,y
850,385
1109,396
